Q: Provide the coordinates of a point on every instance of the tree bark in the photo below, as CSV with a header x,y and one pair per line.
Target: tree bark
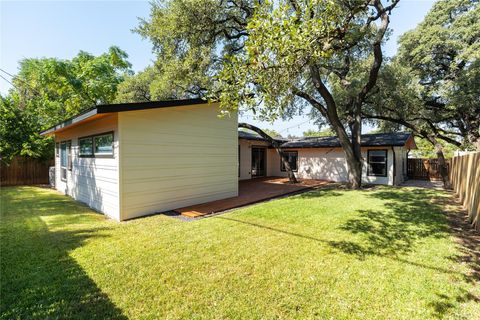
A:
x,y
442,164
276,146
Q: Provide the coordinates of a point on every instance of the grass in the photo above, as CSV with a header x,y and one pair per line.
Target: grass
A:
x,y
331,254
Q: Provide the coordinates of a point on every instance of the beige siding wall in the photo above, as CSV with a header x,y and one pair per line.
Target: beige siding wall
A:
x,y
93,181
325,164
175,157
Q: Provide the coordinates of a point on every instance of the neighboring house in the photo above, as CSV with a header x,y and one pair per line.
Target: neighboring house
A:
x,y
134,159
385,157
130,160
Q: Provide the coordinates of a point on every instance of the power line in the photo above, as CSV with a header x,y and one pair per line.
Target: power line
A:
x,y
7,73
6,80
297,125
25,82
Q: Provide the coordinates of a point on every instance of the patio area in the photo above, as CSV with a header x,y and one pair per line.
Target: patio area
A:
x,y
252,191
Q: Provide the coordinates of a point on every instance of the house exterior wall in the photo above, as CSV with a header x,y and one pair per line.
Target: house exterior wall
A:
x,y
245,147
176,157
93,181
330,164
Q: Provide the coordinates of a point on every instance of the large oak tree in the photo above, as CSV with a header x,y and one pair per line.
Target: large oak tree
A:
x,y
275,58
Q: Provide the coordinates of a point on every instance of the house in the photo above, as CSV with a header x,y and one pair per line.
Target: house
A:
x,y
323,158
130,160
134,159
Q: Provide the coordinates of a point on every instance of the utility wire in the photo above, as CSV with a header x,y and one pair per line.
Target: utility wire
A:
x,y
297,125
25,82
6,80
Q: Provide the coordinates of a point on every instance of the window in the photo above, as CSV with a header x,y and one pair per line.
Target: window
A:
x,y
103,144
85,147
63,160
292,158
96,146
377,163
69,155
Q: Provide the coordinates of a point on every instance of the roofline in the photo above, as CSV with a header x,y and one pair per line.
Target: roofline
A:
x,y
339,146
409,140
121,107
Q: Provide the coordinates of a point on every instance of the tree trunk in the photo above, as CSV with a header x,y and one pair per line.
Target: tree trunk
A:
x,y
276,146
442,164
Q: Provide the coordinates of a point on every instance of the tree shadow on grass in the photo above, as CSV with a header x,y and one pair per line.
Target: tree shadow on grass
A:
x,y
412,216
39,279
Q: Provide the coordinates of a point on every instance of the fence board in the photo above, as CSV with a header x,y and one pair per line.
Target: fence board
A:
x,y
424,169
25,171
465,178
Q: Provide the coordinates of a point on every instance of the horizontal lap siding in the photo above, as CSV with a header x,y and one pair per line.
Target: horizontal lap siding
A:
x,y
93,181
176,157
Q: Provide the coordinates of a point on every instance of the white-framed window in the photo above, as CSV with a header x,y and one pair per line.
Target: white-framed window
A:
x,y
377,163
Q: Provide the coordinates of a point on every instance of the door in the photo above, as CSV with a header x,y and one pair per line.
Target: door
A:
x,y
258,162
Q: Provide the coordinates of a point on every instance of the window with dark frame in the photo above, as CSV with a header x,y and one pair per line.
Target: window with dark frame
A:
x,y
85,147
292,158
377,163
103,144
100,145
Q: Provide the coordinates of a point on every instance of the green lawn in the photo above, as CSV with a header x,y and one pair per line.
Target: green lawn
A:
x,y
382,253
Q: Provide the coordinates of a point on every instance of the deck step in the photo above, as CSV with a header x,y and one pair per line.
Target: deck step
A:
x,y
192,214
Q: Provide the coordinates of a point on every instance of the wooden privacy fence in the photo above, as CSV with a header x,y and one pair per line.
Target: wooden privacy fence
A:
x,y
25,171
424,169
465,178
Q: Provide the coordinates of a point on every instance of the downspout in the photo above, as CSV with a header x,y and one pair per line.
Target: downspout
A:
x,y
394,166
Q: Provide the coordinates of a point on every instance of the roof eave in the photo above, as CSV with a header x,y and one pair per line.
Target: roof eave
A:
x,y
121,107
81,117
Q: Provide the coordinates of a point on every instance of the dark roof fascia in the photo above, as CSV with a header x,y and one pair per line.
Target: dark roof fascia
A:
x,y
303,144
339,146
122,107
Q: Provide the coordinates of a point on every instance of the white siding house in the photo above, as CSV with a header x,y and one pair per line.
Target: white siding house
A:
x,y
93,181
322,158
135,159
131,160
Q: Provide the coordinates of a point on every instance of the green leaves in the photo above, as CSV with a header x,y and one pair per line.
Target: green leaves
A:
x,y
49,90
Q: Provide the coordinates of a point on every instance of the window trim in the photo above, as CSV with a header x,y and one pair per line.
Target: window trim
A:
x,y
281,162
68,154
93,155
57,149
369,173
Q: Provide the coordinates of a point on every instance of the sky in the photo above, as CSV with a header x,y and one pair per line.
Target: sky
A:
x,y
61,29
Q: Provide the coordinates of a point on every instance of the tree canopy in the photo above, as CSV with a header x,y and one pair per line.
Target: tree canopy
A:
x,y
49,90
274,58
433,83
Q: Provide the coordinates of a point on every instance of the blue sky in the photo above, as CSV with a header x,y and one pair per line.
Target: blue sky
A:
x,y
62,28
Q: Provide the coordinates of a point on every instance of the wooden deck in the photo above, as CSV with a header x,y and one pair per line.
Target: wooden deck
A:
x,y
252,191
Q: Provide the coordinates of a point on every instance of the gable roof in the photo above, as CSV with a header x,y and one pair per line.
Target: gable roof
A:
x,y
398,139
121,107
